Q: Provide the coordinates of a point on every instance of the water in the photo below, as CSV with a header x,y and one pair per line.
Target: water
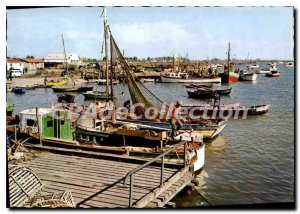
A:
x,y
252,161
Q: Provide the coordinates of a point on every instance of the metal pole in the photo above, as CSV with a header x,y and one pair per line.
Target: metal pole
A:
x,y
162,170
131,190
38,124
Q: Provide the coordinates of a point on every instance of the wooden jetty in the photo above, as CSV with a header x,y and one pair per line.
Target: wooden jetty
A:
x,y
109,183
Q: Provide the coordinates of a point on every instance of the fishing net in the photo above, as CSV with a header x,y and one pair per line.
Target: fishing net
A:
x,y
138,91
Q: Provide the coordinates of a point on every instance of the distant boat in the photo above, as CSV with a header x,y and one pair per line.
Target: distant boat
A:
x,y
147,80
273,74
103,82
101,95
63,82
228,76
206,93
289,64
280,62
72,88
263,71
248,77
180,77
19,90
236,110
254,66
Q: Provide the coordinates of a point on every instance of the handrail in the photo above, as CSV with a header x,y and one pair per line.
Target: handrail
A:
x,y
162,157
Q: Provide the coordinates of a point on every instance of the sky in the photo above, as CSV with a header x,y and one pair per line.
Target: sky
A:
x,y
199,32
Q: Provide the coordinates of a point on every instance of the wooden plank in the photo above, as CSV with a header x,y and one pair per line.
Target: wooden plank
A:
x,y
103,172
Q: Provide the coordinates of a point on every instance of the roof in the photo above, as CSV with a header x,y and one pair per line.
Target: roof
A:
x,y
33,111
32,60
12,60
61,56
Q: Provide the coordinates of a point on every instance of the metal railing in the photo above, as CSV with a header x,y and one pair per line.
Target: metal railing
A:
x,y
162,157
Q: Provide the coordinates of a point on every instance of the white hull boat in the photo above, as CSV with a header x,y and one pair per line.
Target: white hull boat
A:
x,y
249,77
166,79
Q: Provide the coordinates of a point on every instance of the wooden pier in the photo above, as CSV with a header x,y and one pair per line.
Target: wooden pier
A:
x,y
110,183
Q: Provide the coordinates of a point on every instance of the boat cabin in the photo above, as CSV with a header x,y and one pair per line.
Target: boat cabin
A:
x,y
52,123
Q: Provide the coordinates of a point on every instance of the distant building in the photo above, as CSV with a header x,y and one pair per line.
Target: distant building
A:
x,y
53,60
31,64
12,63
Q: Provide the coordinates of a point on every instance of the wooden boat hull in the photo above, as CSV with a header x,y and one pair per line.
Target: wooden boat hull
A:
x,y
208,131
228,112
206,94
248,77
165,79
229,77
72,89
98,95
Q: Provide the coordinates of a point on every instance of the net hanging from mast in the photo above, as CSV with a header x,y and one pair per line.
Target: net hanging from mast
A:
x,y
138,91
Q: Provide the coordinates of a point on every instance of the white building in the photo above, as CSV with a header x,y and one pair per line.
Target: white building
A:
x,y
56,59
14,64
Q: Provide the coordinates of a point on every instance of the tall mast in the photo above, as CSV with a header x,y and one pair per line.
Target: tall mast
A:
x,y
111,68
228,54
65,56
106,51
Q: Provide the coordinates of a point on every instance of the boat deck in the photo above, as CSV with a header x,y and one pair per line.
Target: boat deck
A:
x,y
98,183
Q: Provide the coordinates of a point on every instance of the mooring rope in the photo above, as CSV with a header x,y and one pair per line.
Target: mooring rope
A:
x,y
202,196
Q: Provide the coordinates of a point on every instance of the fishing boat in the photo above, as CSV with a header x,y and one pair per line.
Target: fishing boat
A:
x,y
263,71
19,90
248,76
226,111
273,74
181,77
54,84
147,80
67,98
72,88
58,128
229,76
207,93
254,66
103,82
100,95
289,64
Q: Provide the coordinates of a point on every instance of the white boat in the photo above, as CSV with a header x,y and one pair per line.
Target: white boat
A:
x,y
103,82
179,77
280,62
248,76
289,64
254,66
147,80
267,70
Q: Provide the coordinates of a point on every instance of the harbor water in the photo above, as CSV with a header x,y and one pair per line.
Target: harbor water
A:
x,y
252,161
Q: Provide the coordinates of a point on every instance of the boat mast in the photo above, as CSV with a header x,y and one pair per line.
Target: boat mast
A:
x,y
228,54
106,50
111,68
65,56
